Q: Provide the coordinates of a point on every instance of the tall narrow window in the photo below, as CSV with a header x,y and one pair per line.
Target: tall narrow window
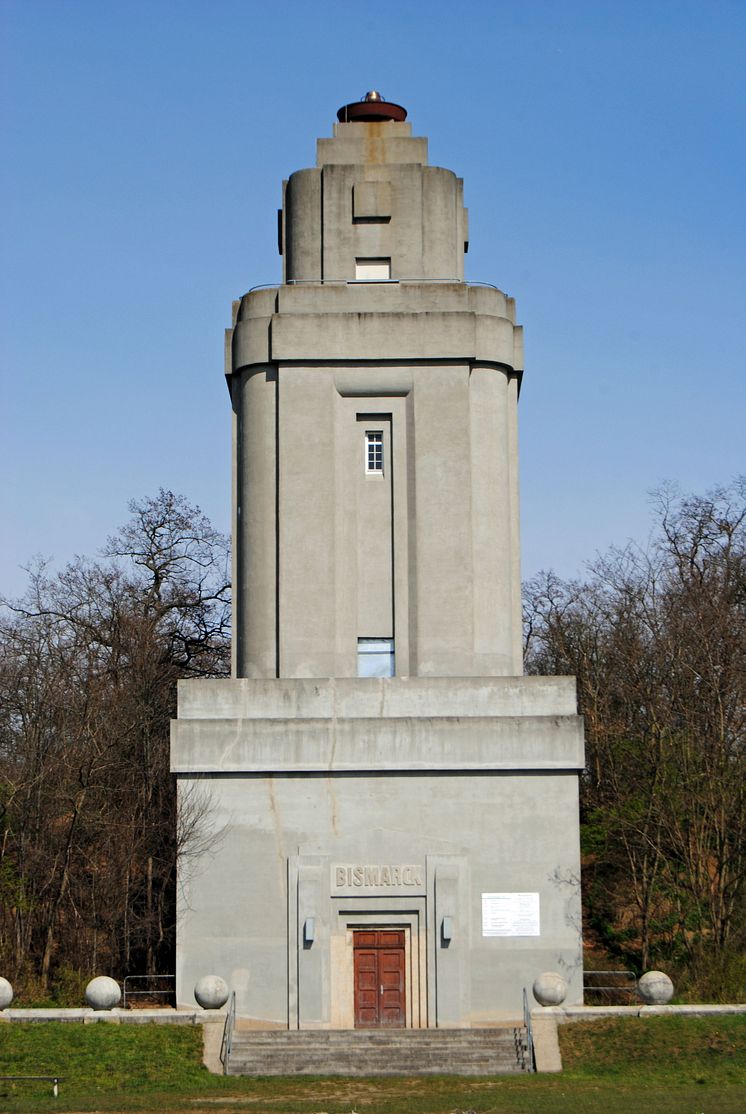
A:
x,y
374,452
375,657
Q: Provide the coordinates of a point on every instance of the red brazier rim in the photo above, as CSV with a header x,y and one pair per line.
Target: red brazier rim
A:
x,y
367,112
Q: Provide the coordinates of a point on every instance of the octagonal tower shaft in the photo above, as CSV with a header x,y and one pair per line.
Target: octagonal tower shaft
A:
x,y
375,453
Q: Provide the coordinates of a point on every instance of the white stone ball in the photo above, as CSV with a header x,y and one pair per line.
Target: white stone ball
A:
x,y
6,994
103,993
211,992
549,989
655,987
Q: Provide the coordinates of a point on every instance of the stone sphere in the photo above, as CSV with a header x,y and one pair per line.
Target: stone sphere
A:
x,y
549,989
6,994
211,992
103,993
655,988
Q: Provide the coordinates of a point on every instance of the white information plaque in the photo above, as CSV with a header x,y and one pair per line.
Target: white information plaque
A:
x,y
510,915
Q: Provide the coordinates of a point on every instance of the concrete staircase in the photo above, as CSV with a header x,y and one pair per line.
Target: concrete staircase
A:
x,y
379,1052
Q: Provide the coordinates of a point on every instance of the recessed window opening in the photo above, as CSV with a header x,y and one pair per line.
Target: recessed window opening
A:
x,y
374,452
372,270
375,657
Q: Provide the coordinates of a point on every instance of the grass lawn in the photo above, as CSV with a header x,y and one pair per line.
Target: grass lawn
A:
x,y
658,1065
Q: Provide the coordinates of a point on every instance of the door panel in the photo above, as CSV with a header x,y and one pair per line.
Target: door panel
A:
x,y
379,979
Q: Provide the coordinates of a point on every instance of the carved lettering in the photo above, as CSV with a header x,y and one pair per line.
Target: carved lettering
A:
x,y
359,876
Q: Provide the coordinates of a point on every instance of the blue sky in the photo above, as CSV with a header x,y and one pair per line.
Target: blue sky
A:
x,y
602,147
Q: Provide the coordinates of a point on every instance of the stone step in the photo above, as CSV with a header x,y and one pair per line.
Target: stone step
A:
x,y
378,1052
377,1035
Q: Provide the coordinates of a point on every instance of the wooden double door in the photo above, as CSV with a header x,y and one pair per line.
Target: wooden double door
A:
x,y
380,1000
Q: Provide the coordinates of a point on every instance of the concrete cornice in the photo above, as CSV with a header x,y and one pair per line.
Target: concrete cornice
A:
x,y
312,698
407,745
397,321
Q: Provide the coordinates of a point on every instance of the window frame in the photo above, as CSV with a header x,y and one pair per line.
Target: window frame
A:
x,y
379,268
380,651
373,450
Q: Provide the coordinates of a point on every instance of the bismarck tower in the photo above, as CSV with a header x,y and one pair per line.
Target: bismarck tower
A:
x,y
395,807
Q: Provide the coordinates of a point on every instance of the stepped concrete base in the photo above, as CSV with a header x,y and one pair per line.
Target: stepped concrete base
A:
x,y
400,1052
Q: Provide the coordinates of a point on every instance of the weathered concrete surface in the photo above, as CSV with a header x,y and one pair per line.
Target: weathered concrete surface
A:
x,y
383,697
453,567
343,803
569,1013
271,802
547,1054
434,360
354,745
212,1040
117,1016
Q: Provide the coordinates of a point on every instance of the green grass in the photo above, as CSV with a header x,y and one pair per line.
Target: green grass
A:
x,y
664,1065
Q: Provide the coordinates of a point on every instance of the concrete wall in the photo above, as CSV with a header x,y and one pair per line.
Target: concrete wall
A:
x,y
290,799
433,548
316,797
430,557
371,196
299,779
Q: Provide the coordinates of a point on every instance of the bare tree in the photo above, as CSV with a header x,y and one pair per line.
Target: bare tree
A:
x,y
89,660
657,639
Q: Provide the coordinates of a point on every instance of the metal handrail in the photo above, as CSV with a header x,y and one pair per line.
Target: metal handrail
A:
x,y
142,993
369,282
227,1042
614,988
55,1080
529,1033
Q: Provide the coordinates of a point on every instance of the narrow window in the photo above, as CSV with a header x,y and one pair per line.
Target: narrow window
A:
x,y
374,452
375,657
372,270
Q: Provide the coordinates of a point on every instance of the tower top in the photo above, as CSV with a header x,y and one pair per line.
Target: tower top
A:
x,y
371,108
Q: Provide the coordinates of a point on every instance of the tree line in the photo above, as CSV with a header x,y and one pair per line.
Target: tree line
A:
x,y
656,636
89,660
90,657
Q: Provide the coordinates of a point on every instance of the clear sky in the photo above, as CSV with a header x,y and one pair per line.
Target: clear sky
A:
x,y
602,146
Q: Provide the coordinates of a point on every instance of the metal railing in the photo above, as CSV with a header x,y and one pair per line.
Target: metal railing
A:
x,y
370,282
230,1023
55,1080
530,1060
151,992
610,985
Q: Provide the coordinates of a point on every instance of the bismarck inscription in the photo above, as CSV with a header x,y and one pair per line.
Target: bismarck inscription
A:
x,y
358,876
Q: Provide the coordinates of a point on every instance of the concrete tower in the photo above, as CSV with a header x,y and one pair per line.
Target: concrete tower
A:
x,y
384,787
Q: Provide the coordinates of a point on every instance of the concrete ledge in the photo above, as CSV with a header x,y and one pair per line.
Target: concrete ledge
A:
x,y
692,1010
481,744
88,1016
565,1014
47,1014
398,321
382,697
394,336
